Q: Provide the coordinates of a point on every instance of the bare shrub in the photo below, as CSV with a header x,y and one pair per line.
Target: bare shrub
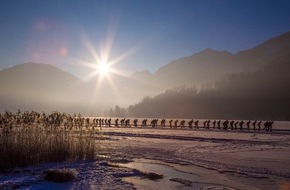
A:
x,y
60,175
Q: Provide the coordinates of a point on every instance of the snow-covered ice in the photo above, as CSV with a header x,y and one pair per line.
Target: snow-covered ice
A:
x,y
209,159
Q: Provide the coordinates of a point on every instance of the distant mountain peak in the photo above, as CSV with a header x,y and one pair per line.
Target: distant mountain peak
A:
x,y
32,65
38,70
267,51
144,73
211,52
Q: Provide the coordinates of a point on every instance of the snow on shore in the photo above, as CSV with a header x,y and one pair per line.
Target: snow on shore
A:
x,y
90,175
244,159
217,159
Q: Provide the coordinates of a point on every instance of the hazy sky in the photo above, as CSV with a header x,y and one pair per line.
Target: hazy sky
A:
x,y
144,34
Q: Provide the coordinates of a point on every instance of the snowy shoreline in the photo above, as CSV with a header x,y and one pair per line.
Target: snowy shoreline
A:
x,y
232,159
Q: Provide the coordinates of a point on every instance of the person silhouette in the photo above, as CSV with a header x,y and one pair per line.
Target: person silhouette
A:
x,y
135,121
266,126
248,125
196,124
153,123
205,124
162,124
219,124
156,122
182,124
175,123
259,125
116,122
214,122
225,124
241,125
271,125
232,124
190,124
170,123
145,123
109,122
208,124
236,125
254,125
122,122
127,123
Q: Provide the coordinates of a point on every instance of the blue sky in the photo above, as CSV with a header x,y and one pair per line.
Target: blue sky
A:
x,y
146,34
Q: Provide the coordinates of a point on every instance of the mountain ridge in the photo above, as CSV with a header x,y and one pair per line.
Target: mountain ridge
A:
x,y
260,95
209,65
49,84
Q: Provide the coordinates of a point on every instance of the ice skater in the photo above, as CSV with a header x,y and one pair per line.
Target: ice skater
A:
x,y
170,123
248,125
135,122
109,122
208,124
219,124
127,123
232,124
241,125
205,124
122,122
144,123
175,123
190,124
163,121
182,124
214,122
116,122
236,125
196,124
259,125
225,124
254,125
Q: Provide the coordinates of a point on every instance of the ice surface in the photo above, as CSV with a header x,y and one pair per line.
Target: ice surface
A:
x,y
215,158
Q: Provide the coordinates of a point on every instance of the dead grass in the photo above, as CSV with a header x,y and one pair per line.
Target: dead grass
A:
x,y
31,145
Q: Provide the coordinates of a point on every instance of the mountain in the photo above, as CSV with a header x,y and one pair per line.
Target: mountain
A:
x,y
259,95
141,74
38,85
46,87
205,66
268,51
210,65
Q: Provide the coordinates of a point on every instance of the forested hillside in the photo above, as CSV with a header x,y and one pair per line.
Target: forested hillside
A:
x,y
263,94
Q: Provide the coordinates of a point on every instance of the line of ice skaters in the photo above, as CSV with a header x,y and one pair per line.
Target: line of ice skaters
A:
x,y
207,124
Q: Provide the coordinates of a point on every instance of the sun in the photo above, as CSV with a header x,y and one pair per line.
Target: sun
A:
x,y
103,68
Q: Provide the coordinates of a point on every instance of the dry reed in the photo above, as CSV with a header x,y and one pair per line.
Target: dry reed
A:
x,y
27,145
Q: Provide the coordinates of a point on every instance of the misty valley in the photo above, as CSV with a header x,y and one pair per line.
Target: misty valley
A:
x,y
210,84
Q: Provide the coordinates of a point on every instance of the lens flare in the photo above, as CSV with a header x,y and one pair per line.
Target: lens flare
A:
x,y
104,76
